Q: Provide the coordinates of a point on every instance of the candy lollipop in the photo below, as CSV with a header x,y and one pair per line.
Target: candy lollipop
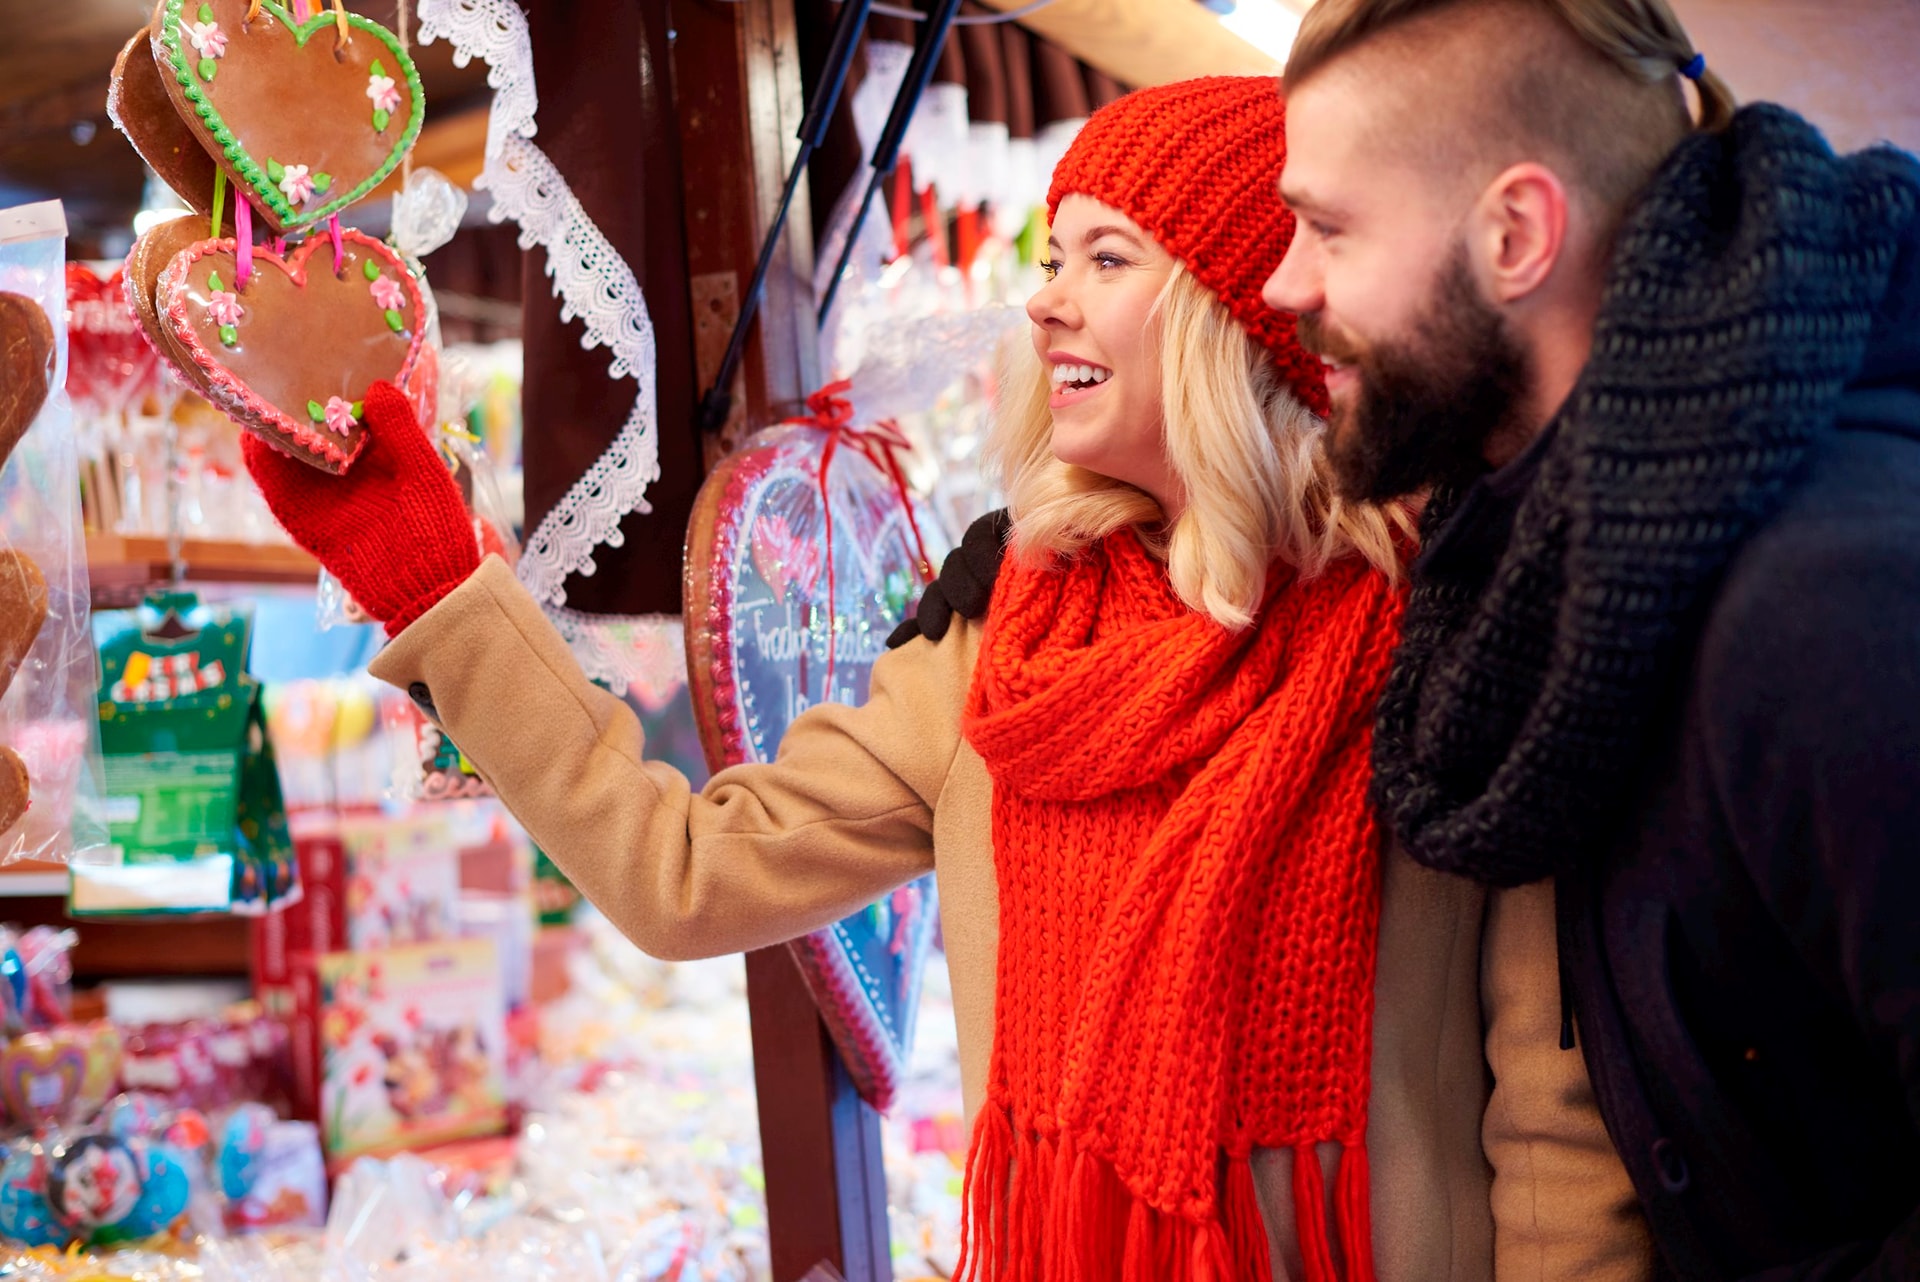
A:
x,y
25,1214
243,1142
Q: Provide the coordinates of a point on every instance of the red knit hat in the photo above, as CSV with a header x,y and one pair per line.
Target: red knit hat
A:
x,y
1197,165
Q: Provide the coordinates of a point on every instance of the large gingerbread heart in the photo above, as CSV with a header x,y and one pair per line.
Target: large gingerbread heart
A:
x,y
291,354
763,615
304,124
140,107
26,367
23,610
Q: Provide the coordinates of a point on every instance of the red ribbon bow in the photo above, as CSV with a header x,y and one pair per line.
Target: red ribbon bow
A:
x,y
881,443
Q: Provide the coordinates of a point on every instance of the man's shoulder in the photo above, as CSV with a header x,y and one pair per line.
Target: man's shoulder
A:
x,y
1810,649
1845,543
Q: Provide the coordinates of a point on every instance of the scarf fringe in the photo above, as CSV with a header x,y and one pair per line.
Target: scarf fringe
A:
x,y
1038,1208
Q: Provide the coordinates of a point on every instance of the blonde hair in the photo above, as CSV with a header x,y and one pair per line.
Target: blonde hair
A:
x,y
1605,97
1244,448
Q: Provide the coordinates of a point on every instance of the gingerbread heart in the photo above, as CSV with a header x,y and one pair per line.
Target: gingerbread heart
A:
x,y
140,107
26,367
15,791
150,255
291,354
23,610
301,122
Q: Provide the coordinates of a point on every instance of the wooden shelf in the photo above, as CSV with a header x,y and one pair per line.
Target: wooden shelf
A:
x,y
122,568
32,877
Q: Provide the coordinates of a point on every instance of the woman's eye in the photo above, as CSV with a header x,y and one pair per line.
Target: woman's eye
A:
x,y
1109,260
1322,230
1050,267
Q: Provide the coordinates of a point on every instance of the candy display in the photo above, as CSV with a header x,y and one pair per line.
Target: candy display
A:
x,y
400,1048
194,801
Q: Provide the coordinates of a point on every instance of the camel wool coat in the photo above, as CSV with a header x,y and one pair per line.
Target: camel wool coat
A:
x,y
862,800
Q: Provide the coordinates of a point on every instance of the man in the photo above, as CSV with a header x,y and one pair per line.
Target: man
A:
x,y
1662,663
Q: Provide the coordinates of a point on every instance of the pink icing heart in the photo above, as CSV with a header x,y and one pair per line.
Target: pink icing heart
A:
x,y
40,1077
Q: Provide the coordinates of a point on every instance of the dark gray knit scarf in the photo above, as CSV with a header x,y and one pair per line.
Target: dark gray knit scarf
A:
x,y
1738,307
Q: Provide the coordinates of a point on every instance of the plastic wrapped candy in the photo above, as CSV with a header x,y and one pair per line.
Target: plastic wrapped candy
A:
x,y
49,756
805,551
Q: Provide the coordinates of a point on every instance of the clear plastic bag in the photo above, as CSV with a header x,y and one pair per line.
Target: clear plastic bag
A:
x,y
49,737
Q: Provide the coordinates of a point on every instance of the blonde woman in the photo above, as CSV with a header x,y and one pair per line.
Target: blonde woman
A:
x,y
1203,1034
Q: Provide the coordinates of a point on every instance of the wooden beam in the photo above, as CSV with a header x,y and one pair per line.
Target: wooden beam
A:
x,y
1145,42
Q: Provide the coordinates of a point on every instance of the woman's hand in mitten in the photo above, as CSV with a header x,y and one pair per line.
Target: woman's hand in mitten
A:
x,y
393,529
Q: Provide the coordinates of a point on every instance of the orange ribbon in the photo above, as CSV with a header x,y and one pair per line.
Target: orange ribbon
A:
x,y
881,443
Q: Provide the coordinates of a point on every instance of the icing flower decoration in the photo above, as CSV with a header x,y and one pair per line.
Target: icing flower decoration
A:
x,y
224,306
388,294
296,184
340,415
206,38
384,94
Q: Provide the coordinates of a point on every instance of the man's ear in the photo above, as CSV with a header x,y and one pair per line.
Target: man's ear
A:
x,y
1519,230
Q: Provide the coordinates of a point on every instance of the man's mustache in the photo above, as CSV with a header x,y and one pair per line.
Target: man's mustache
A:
x,y
1322,340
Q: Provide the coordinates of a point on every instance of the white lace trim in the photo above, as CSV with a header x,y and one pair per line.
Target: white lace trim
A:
x,y
641,654
593,282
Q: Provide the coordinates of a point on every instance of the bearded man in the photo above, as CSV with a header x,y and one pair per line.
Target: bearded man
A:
x,y
1654,365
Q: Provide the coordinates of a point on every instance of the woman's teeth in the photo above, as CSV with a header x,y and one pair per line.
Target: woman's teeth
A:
x,y
1080,375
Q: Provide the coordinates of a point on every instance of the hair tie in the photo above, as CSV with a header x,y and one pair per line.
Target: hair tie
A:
x,y
1694,67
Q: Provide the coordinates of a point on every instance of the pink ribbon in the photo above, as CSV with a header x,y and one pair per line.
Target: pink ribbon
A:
x,y
881,443
243,242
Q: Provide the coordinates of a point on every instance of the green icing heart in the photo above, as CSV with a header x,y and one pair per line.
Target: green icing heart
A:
x,y
179,56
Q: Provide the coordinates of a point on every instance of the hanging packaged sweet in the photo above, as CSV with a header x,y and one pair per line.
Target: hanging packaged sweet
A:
x,y
48,757
192,796
805,550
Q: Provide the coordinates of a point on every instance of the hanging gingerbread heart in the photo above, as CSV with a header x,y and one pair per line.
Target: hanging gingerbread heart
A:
x,y
15,788
23,611
152,251
304,121
139,107
26,367
290,353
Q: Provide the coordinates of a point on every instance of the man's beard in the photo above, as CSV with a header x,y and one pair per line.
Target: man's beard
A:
x,y
1425,406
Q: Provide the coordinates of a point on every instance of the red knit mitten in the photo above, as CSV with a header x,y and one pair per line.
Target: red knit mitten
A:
x,y
393,529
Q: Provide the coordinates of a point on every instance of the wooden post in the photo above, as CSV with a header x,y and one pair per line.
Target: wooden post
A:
x,y
739,99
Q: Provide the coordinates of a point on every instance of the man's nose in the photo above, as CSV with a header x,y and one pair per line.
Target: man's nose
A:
x,y
1295,285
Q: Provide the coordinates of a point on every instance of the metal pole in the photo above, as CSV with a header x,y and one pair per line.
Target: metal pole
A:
x,y
718,402
886,153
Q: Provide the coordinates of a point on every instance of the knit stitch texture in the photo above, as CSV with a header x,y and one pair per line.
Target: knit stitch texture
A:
x,y
1737,309
1188,874
1197,165
393,529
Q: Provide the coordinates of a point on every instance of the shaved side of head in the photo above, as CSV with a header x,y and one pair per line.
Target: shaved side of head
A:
x,y
1466,88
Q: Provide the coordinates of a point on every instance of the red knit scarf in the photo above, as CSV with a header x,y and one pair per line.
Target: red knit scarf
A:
x,y
1189,903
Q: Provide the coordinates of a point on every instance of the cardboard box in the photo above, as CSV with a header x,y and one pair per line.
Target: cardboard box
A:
x,y
370,882
400,1049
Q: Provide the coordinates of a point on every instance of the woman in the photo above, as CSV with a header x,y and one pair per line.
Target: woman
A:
x,y
1141,782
